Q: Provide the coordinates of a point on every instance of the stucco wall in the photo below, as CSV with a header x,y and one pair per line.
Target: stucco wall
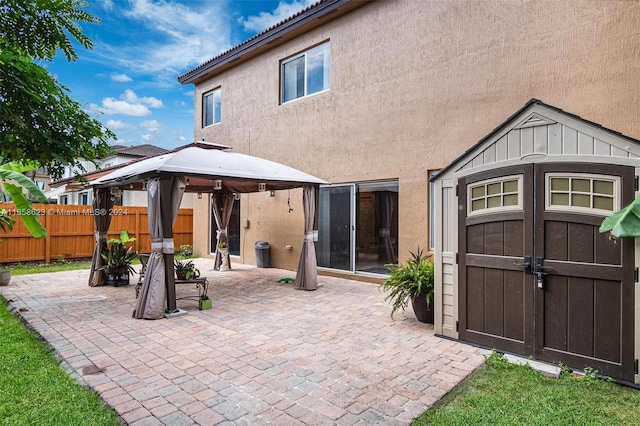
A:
x,y
413,85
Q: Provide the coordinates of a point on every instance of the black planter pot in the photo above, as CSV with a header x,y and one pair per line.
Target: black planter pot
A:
x,y
116,276
423,311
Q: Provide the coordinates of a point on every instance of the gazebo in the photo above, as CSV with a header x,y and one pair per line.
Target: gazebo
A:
x,y
199,167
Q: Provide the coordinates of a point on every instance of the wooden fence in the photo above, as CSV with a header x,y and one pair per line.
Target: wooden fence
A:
x,y
71,235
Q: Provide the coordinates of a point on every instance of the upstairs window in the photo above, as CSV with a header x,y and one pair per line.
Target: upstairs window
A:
x,y
305,74
211,108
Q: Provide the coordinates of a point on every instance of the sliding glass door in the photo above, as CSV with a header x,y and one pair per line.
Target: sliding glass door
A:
x,y
335,227
358,227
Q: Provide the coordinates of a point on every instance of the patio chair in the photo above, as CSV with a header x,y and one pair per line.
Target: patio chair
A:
x,y
144,259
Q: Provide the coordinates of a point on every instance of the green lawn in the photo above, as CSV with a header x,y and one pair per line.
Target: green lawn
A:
x,y
499,393
35,390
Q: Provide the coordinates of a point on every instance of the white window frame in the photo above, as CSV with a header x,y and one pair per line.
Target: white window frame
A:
x,y
488,210
576,209
304,54
217,90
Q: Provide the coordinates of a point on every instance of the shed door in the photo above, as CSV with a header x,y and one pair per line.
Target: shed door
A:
x,y
579,309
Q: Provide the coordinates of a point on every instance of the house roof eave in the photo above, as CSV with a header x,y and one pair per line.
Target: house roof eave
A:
x,y
303,21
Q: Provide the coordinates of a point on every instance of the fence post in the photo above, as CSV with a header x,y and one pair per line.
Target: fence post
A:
x,y
47,242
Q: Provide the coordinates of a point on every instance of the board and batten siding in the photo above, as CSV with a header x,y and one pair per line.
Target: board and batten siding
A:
x,y
538,133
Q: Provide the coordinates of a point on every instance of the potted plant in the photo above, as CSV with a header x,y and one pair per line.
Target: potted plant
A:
x,y
5,275
413,282
117,260
186,270
223,248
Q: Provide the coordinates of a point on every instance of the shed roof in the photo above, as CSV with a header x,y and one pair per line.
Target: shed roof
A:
x,y
527,117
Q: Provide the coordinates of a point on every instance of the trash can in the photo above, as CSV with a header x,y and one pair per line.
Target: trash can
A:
x,y
262,254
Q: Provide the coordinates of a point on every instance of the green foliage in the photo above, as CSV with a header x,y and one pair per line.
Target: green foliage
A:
x,y
118,255
407,281
6,221
14,184
186,250
187,269
223,245
39,28
35,390
39,122
624,223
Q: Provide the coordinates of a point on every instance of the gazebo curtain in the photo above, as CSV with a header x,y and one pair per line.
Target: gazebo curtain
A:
x,y
221,208
307,274
151,301
102,205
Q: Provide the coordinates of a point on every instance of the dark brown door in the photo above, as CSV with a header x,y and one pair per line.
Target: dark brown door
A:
x,y
585,305
574,304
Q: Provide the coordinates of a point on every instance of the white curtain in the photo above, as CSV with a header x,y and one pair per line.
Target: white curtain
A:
x,y
307,275
221,208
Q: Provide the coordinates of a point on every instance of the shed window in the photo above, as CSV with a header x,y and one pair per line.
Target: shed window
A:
x,y
504,193
593,194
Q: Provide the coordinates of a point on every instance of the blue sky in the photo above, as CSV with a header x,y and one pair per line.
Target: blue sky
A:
x,y
129,80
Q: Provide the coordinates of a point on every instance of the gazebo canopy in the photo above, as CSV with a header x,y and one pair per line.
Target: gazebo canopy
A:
x,y
199,167
239,173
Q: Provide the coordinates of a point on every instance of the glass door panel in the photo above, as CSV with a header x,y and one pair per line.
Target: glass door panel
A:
x,y
377,227
335,227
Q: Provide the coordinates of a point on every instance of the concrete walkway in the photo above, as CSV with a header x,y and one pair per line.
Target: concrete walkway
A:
x,y
265,354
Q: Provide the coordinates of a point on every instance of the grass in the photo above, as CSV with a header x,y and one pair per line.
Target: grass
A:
x,y
499,393
64,265
35,390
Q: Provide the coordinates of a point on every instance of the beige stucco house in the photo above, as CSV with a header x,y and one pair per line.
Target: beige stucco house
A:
x,y
378,96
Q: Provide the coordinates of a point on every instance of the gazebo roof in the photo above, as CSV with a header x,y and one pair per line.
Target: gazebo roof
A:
x,y
203,167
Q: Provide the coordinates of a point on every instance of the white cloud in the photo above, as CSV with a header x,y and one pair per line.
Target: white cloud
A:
x,y
115,124
182,138
120,78
265,20
177,36
107,4
130,96
111,106
128,104
151,126
146,137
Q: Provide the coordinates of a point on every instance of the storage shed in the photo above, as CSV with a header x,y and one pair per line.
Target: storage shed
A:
x,y
519,263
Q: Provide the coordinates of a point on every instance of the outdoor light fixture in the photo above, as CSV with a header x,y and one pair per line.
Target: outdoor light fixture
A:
x,y
236,196
272,193
262,186
199,195
144,184
217,185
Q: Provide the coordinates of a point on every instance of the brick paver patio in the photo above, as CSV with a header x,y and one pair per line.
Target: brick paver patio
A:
x,y
265,353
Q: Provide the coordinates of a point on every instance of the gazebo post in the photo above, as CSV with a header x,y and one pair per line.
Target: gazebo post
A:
x,y
166,212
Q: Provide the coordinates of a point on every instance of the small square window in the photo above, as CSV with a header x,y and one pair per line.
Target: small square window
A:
x,y
211,108
305,74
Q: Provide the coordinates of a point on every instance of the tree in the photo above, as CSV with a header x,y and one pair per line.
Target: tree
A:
x,y
39,122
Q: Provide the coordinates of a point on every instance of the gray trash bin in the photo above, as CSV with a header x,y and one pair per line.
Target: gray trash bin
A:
x,y
262,254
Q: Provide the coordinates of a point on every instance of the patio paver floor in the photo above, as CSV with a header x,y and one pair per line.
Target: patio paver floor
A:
x,y
264,354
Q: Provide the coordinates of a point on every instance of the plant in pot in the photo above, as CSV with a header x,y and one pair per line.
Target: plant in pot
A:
x,y
186,270
117,260
413,282
223,248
